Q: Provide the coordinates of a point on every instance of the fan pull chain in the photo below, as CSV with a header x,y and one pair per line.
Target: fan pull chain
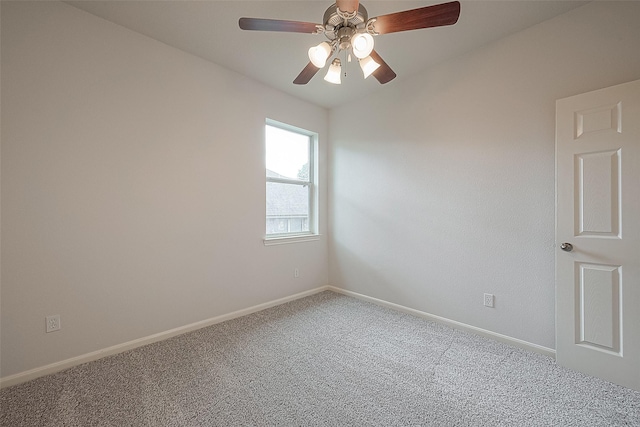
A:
x,y
347,59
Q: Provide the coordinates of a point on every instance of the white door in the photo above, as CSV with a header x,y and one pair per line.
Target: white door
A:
x,y
598,213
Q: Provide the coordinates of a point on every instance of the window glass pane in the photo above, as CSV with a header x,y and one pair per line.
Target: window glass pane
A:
x,y
287,208
287,154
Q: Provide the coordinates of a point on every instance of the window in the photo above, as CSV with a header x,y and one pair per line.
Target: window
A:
x,y
290,172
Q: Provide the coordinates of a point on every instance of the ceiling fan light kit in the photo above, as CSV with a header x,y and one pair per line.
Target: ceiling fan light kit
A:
x,y
318,55
347,26
333,74
362,44
368,66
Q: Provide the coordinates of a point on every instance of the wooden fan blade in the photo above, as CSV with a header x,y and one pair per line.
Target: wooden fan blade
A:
x,y
414,19
384,73
306,74
260,24
347,5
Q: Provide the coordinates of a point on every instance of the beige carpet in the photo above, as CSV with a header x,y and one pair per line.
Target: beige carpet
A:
x,y
325,360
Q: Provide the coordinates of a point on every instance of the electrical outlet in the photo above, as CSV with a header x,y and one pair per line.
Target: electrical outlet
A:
x,y
488,300
296,273
53,323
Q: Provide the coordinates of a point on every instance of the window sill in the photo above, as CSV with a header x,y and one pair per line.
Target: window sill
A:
x,y
285,240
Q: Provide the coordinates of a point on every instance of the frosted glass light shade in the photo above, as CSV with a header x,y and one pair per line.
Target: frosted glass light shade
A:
x,y
368,66
333,74
362,44
318,54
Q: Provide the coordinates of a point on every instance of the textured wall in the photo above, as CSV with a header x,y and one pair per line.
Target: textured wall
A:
x,y
448,191
132,187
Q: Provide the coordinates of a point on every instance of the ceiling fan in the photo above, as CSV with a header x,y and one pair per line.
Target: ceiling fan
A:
x,y
348,28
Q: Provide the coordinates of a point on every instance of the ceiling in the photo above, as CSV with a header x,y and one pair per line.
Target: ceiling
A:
x,y
209,29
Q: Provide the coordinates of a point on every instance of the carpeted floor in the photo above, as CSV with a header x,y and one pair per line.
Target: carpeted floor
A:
x,y
325,360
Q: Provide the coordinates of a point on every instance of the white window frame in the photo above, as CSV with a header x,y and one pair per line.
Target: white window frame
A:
x,y
312,234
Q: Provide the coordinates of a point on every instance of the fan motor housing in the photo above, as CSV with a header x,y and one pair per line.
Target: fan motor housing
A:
x,y
333,22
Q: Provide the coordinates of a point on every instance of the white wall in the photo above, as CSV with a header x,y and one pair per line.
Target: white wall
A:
x,y
133,192
447,192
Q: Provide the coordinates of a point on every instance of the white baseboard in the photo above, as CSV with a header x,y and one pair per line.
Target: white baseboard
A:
x,y
119,348
456,325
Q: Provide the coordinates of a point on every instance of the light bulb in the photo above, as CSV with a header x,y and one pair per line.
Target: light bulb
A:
x,y
333,74
368,66
362,44
319,54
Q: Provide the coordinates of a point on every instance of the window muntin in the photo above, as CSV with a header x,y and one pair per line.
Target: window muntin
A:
x,y
289,159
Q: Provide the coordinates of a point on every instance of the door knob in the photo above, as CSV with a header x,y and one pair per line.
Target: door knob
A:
x,y
567,247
